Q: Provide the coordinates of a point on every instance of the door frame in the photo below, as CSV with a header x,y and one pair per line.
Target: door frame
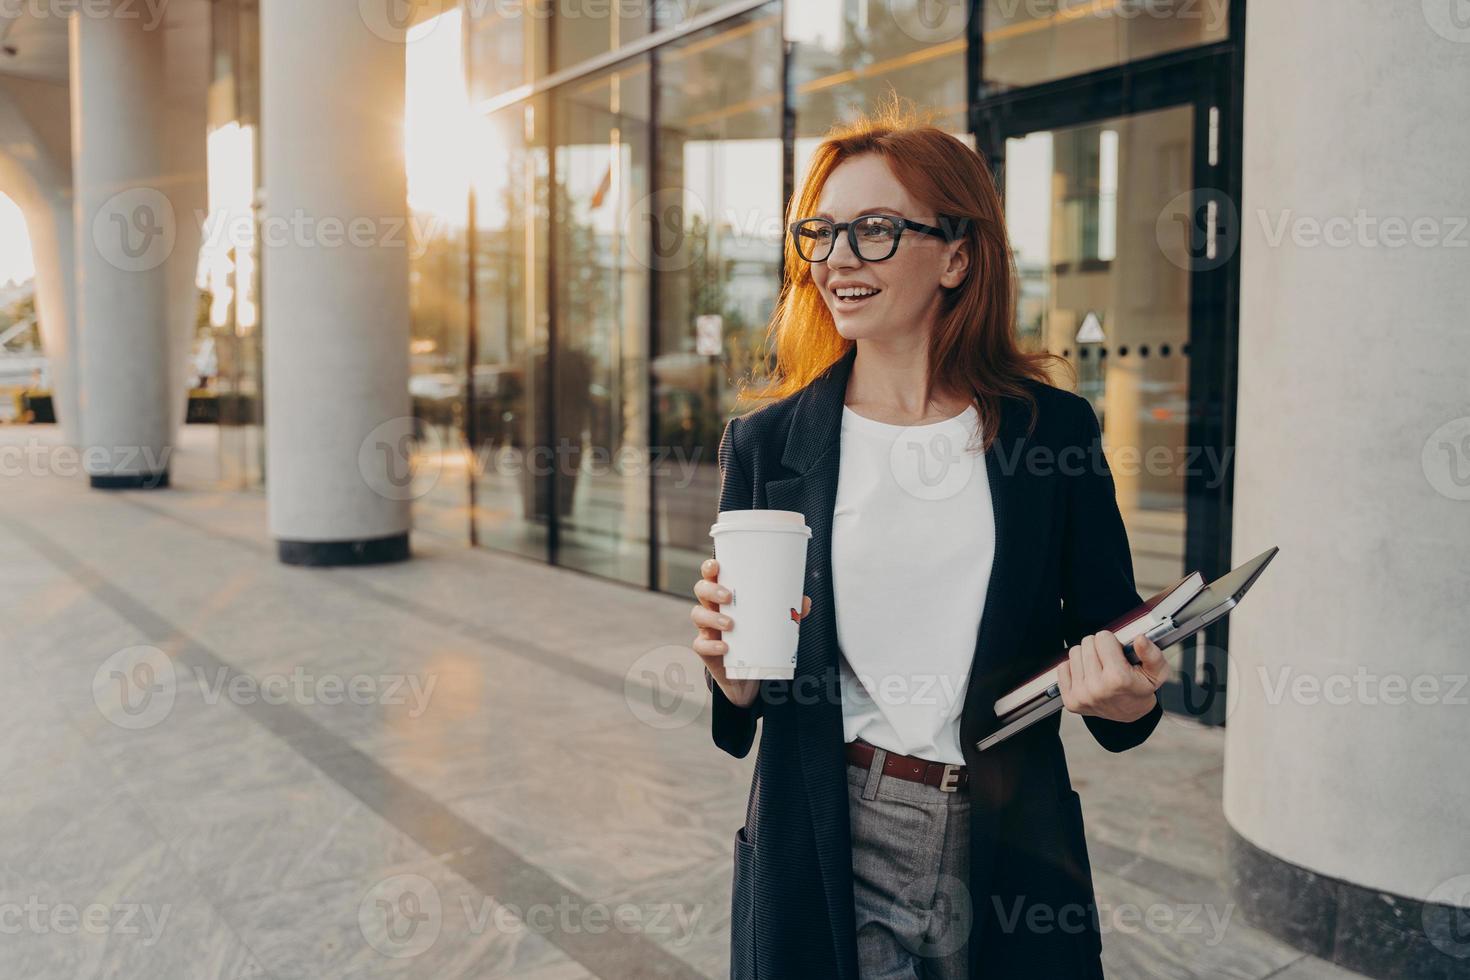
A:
x,y
1207,79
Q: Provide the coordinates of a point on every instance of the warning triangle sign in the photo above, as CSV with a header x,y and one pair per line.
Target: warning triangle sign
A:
x,y
1091,331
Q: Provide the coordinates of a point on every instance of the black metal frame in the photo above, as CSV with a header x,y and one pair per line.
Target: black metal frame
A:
x,y
1204,77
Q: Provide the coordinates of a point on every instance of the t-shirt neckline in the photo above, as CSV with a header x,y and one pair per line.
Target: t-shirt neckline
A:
x,y
967,417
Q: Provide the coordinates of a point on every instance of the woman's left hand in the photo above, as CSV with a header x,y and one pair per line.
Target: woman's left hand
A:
x,y
1098,680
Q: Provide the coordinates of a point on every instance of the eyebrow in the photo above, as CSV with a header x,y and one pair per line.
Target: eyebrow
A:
x,y
880,209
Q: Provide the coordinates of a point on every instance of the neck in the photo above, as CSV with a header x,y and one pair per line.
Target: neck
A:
x,y
890,380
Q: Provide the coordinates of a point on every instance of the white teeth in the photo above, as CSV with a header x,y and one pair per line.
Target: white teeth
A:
x,y
855,292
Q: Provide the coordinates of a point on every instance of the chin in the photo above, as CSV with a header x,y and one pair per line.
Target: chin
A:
x,y
859,328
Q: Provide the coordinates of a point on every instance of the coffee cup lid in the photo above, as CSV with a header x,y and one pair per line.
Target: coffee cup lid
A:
x,y
788,521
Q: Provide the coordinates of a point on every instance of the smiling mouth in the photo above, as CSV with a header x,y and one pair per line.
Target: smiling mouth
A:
x,y
849,297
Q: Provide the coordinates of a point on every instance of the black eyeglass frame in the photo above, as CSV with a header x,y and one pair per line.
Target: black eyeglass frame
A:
x,y
839,227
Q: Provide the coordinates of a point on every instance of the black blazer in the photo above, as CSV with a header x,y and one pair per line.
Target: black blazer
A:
x,y
1062,570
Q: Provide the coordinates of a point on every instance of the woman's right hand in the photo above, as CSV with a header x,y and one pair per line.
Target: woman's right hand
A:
x,y
712,625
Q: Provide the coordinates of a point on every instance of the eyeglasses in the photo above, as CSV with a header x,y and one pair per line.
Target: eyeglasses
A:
x,y
873,237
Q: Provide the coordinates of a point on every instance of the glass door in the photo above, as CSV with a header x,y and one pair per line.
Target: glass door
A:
x,y
1097,289
1121,234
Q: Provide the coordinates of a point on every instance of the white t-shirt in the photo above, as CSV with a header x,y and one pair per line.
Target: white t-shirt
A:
x,y
913,540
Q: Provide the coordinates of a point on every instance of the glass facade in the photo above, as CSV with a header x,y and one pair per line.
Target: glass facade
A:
x,y
597,194
229,259
627,244
435,108
1028,42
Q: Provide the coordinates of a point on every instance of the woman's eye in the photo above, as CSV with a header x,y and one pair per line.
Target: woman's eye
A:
x,y
876,230
818,234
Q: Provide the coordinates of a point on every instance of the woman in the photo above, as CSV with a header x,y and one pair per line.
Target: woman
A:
x,y
964,535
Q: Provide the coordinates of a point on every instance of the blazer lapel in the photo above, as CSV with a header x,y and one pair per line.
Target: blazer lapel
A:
x,y
812,452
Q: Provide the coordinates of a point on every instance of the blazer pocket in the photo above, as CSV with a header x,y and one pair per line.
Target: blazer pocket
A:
x,y
742,910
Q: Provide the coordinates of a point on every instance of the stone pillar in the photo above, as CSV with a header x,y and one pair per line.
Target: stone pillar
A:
x,y
1345,764
125,232
335,282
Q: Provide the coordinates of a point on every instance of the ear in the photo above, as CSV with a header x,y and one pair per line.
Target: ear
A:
x,y
958,266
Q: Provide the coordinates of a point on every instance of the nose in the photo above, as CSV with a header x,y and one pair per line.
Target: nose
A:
x,y
842,256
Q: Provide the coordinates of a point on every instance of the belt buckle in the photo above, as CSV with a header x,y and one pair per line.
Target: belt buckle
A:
x,y
950,782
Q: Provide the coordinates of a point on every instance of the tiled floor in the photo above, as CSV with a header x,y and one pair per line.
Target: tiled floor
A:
x,y
218,766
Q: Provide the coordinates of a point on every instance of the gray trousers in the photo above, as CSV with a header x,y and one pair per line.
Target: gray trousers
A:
x,y
910,869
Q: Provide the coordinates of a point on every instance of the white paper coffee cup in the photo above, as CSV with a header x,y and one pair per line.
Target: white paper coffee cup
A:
x,y
762,556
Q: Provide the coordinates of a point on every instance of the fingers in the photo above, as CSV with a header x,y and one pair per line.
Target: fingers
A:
x,y
1151,661
1068,687
1072,682
710,592
710,569
710,621
709,649
1113,663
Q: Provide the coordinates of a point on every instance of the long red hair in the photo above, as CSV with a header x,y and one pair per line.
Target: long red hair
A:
x,y
973,347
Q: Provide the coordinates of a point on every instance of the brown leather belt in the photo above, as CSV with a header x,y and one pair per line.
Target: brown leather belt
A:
x,y
942,775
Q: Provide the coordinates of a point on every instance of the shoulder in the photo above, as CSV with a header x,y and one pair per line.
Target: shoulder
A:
x,y
1062,418
760,423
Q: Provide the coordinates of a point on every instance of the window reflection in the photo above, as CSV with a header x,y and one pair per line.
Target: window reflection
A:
x,y
1028,43
719,153
851,54
1081,208
598,403
583,29
511,322
229,257
435,114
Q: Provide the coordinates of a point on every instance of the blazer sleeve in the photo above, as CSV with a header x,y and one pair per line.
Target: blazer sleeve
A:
x,y
733,727
1097,568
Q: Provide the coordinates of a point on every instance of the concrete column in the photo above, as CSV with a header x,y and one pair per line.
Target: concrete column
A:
x,y
124,235
335,283
1345,766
